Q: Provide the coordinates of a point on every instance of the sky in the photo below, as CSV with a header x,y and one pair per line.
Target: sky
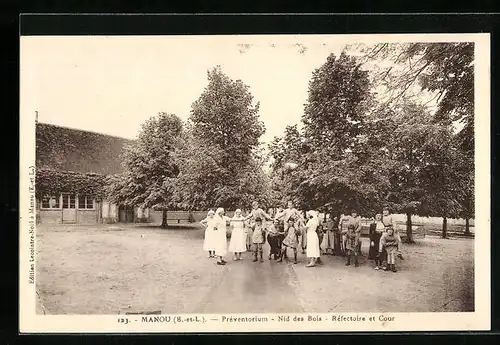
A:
x,y
112,84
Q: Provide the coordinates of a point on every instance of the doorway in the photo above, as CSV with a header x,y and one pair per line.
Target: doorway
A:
x,y
68,208
125,214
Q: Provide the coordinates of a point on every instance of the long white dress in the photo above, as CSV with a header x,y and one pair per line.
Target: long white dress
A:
x,y
312,239
238,243
209,243
220,239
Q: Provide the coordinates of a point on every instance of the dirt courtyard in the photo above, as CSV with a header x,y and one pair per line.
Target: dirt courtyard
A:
x,y
131,268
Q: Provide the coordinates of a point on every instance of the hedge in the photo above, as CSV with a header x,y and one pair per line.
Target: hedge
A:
x,y
53,182
67,149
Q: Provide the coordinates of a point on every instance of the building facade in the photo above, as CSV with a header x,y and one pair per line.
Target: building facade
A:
x,y
68,153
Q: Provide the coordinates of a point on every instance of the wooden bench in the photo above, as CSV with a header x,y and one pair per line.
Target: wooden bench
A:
x,y
178,217
179,220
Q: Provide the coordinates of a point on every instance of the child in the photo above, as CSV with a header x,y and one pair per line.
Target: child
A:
x,y
259,234
352,244
273,238
338,248
280,217
377,228
292,212
390,242
320,234
280,213
257,212
249,235
355,220
327,244
388,221
291,239
208,244
343,234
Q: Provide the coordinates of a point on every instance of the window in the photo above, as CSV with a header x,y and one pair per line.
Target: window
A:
x,y
69,200
85,202
50,202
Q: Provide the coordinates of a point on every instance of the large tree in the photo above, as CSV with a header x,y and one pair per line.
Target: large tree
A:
x,y
422,178
221,162
283,151
329,174
151,168
445,72
338,100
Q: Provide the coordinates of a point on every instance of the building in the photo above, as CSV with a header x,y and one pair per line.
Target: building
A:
x,y
64,155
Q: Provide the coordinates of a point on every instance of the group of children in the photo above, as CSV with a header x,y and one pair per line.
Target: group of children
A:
x,y
385,242
289,228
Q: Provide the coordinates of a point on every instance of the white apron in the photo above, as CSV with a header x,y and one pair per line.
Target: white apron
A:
x,y
220,239
209,243
238,243
312,250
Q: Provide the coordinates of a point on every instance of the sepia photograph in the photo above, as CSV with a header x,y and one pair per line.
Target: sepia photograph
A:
x,y
255,183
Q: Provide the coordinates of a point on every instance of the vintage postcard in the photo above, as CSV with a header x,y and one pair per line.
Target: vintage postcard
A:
x,y
254,183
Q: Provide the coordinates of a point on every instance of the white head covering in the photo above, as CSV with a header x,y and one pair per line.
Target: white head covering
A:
x,y
211,212
312,213
218,214
313,222
236,216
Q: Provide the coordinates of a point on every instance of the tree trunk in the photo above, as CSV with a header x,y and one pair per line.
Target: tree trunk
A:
x,y
467,226
445,227
164,223
409,230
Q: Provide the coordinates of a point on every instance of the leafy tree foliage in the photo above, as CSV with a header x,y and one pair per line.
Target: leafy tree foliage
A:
x,y
446,72
334,115
339,98
355,153
283,150
220,164
151,168
54,182
330,174
420,150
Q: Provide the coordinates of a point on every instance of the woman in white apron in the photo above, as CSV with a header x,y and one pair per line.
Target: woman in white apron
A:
x,y
209,243
220,239
238,243
312,250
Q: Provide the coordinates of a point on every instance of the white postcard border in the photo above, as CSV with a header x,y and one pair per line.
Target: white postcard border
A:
x,y
30,322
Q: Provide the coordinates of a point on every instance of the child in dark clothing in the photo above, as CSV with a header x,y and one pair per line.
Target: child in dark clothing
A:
x,y
352,244
274,240
390,242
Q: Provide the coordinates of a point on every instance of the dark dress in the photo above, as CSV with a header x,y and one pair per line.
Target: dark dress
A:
x,y
337,249
319,231
374,251
375,238
274,238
